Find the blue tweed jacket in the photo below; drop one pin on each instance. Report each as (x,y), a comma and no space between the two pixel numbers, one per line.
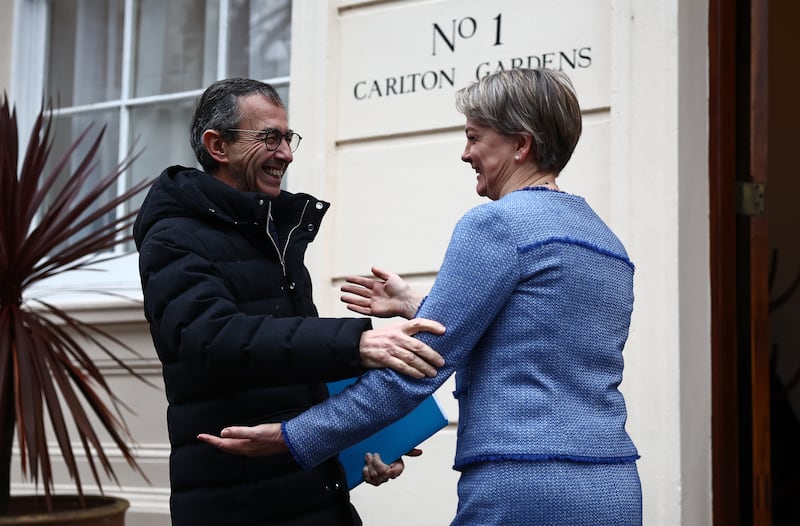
(536,293)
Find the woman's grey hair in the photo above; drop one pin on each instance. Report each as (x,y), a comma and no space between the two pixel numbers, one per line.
(218,109)
(538,102)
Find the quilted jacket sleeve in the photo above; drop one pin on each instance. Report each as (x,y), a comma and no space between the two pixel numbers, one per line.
(196,320)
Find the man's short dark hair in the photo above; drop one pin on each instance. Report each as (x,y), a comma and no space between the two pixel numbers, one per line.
(218,109)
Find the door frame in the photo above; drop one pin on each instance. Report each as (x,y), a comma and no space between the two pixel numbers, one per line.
(738,264)
(722,251)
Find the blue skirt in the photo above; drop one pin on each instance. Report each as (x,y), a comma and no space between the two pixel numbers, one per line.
(551,493)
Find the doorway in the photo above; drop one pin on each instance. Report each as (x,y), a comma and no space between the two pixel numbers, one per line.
(755,262)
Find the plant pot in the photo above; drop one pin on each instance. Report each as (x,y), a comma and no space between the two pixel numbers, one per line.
(67,511)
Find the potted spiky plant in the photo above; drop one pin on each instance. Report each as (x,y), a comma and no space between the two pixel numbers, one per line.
(47,375)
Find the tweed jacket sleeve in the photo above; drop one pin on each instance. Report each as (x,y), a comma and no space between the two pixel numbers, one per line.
(478,275)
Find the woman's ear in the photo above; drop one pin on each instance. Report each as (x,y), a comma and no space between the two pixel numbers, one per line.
(525,147)
(215,145)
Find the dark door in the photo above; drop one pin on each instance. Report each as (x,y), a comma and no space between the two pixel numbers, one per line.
(739,263)
(755,261)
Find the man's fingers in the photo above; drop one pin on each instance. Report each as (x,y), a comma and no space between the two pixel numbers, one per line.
(423,367)
(415,352)
(419,370)
(394,348)
(416,356)
(423,325)
(428,356)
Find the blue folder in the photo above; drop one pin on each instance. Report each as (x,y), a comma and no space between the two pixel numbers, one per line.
(393,441)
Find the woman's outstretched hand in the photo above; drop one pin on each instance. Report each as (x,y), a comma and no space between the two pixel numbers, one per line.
(250,441)
(384,295)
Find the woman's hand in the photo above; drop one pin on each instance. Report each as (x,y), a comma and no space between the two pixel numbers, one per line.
(383,296)
(376,472)
(254,441)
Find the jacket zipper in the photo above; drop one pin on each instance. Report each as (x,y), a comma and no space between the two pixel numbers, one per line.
(282,255)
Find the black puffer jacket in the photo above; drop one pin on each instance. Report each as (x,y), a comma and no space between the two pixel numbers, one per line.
(233,322)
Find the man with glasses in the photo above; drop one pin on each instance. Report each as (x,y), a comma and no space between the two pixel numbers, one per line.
(230,308)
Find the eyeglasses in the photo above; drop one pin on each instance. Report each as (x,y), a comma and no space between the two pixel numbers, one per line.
(273,137)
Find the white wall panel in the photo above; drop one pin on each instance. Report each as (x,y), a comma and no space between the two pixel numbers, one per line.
(401,62)
(397,201)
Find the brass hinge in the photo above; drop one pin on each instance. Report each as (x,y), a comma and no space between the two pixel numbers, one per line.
(750,198)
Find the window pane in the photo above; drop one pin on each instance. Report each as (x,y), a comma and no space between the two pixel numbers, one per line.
(283,91)
(85,51)
(67,130)
(259,38)
(176,46)
(162,134)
